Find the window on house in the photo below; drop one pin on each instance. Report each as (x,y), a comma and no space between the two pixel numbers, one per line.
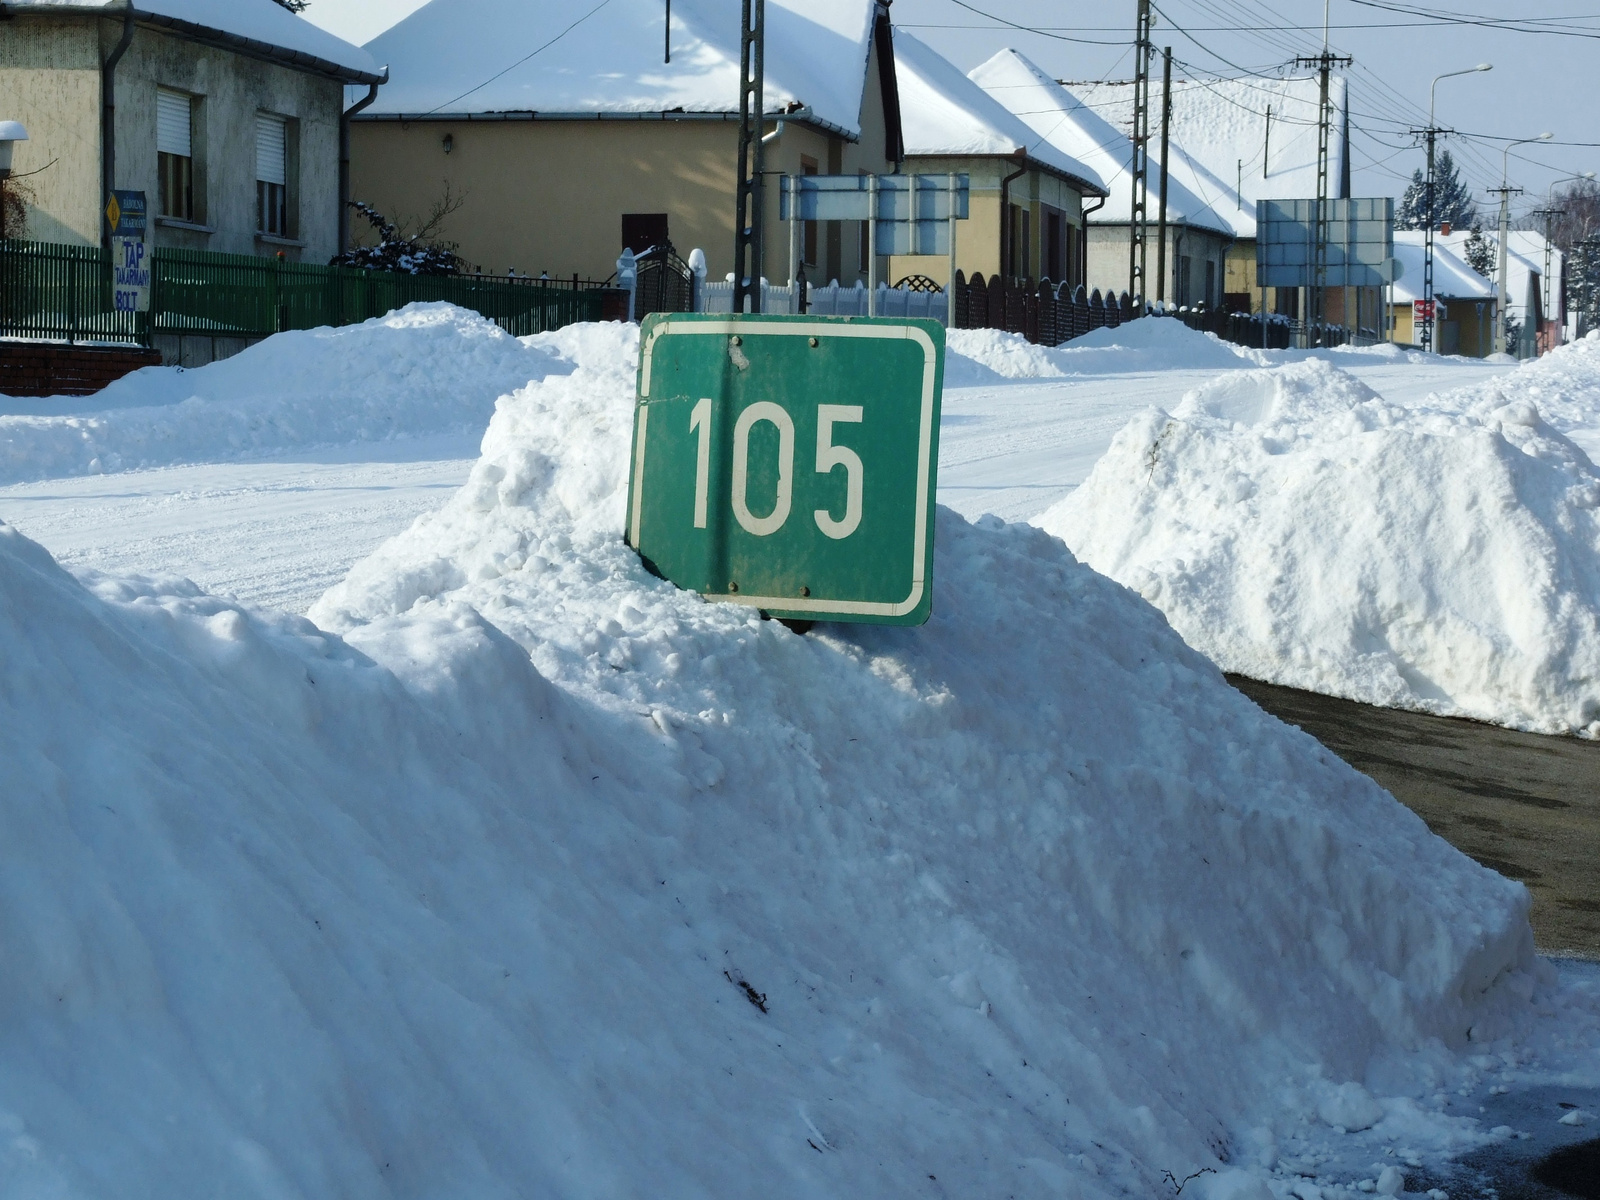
(1053,266)
(175,153)
(1211,284)
(1184,264)
(1018,265)
(272,174)
(811,243)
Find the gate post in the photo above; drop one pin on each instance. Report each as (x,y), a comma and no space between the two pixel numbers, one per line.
(628,280)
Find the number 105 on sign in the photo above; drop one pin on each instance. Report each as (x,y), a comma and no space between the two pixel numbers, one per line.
(788,463)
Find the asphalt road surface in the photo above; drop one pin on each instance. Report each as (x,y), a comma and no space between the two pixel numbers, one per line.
(1524,804)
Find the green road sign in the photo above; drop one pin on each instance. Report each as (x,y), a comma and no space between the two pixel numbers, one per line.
(788,463)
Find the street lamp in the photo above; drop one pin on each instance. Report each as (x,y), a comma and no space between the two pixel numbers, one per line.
(1431,133)
(1450,75)
(1505,234)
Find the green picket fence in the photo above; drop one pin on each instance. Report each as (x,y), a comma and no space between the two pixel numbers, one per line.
(48,290)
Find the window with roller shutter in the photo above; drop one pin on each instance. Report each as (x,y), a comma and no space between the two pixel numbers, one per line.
(272,174)
(175,153)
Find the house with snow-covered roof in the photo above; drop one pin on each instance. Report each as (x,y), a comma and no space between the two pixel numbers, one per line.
(225,113)
(1234,142)
(1197,236)
(1025,212)
(1464,301)
(567,140)
(1537,308)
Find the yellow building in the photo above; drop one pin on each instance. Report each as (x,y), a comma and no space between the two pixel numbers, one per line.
(561,158)
(226,115)
(1464,301)
(1025,214)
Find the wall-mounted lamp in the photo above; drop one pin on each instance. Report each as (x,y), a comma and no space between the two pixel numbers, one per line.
(11,132)
(449,142)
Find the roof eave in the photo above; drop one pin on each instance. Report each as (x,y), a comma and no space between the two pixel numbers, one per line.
(204,34)
(265,51)
(1087,187)
(826,128)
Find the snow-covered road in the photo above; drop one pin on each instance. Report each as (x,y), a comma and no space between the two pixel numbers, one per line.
(278,531)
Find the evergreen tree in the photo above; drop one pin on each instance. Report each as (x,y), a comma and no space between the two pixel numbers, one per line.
(1480,254)
(295,6)
(1583,278)
(1452,200)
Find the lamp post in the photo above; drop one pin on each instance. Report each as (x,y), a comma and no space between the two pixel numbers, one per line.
(1505,190)
(1431,133)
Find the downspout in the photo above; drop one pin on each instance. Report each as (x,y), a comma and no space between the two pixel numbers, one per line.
(1005,210)
(1083,259)
(344,159)
(108,116)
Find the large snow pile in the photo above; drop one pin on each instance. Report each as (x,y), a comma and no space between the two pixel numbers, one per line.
(550,879)
(1148,344)
(1296,527)
(427,368)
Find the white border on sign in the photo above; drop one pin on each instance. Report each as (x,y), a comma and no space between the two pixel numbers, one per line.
(930,366)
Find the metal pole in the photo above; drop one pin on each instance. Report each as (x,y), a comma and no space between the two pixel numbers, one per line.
(1427,249)
(794,241)
(1138,249)
(872,245)
(1501,290)
(747,260)
(1166,129)
(950,288)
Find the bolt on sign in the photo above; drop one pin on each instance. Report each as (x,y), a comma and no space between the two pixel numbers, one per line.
(789,463)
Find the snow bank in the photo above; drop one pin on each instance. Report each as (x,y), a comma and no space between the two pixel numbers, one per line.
(1148,344)
(1297,528)
(1028,892)
(427,368)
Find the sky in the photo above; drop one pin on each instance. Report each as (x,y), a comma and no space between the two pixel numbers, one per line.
(1540,82)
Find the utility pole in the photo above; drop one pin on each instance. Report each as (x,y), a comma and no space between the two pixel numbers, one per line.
(1549,215)
(1505,193)
(1324,62)
(747,220)
(1138,213)
(1430,134)
(1161,219)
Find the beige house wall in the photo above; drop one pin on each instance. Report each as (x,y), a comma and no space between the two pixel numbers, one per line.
(548,195)
(50,81)
(1108,260)
(978,237)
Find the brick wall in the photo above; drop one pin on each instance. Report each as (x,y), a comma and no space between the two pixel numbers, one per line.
(46,369)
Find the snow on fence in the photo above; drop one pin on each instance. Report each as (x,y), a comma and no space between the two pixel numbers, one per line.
(831,300)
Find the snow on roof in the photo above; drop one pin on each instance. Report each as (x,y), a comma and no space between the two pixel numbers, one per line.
(1221,127)
(480,56)
(1453,279)
(270,26)
(1524,264)
(942,112)
(1060,119)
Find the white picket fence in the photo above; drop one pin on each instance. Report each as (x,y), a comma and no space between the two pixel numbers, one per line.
(832,300)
